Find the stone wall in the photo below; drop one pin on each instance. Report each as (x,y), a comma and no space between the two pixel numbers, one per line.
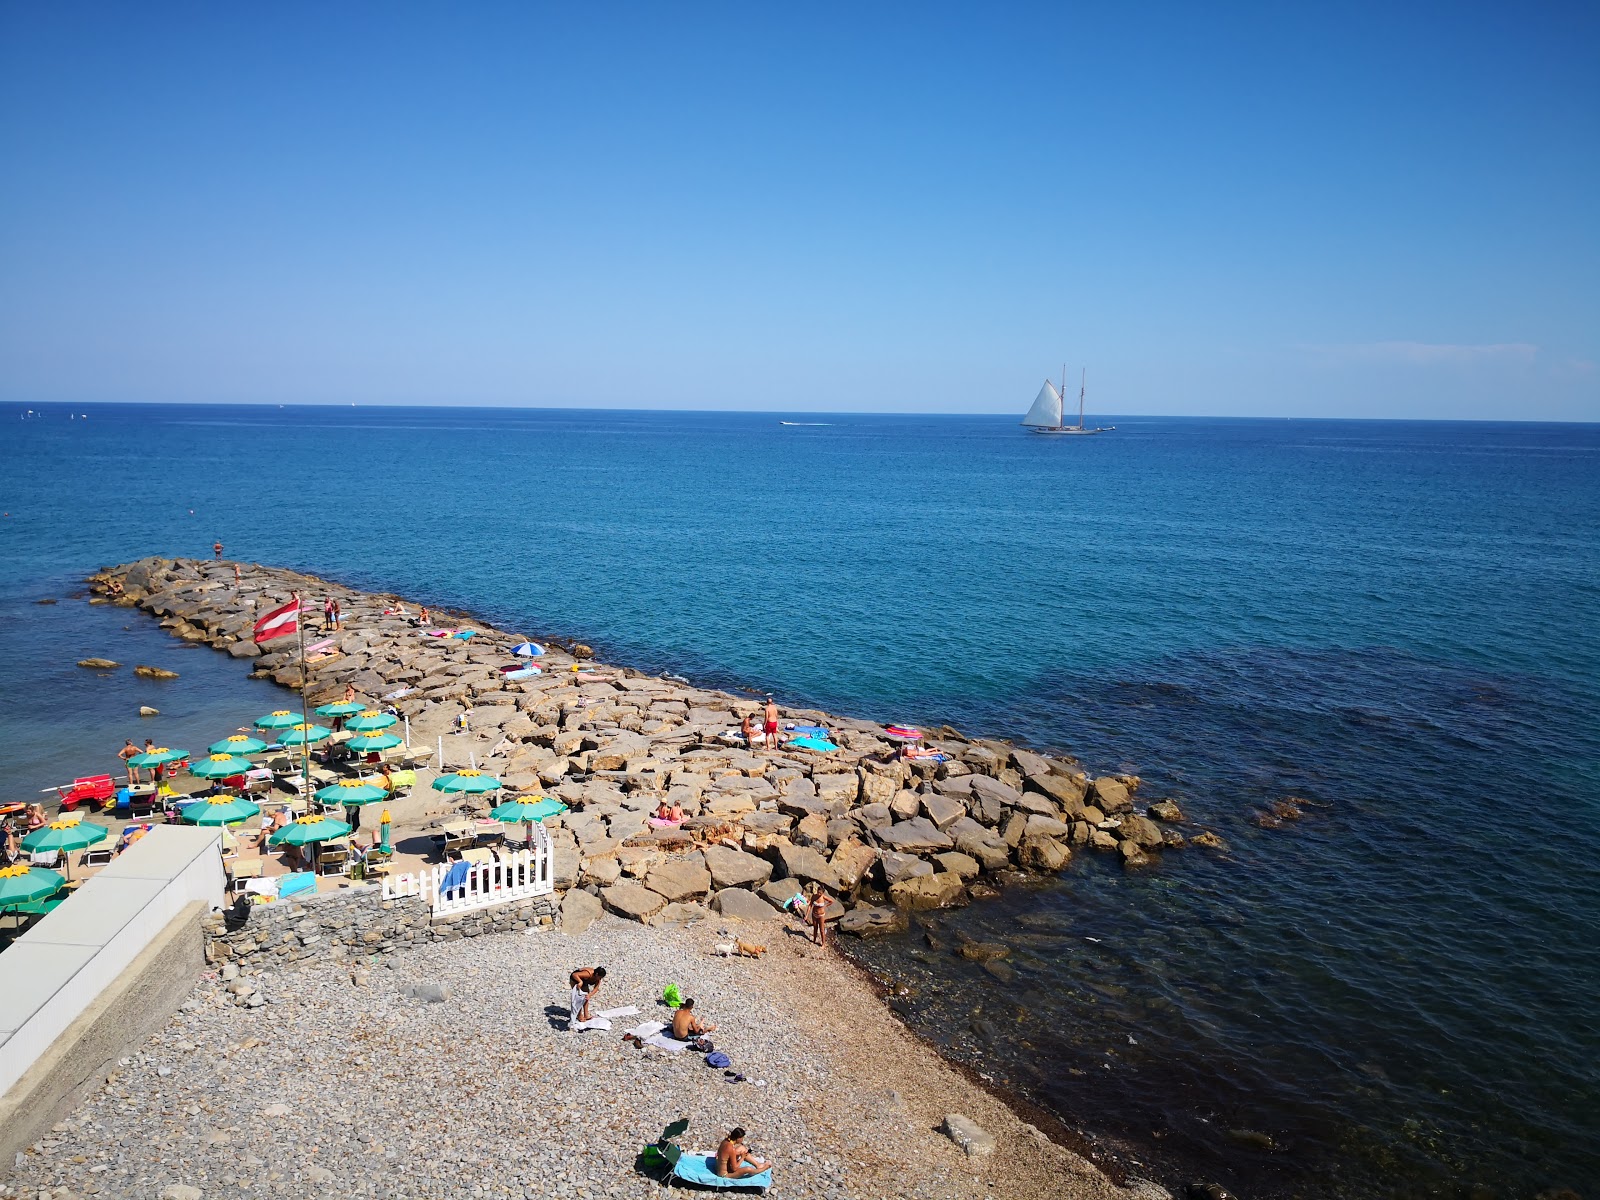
(351,925)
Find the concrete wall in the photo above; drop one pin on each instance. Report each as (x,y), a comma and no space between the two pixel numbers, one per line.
(67,965)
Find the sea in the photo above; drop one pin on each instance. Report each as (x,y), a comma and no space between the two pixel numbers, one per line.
(1396,624)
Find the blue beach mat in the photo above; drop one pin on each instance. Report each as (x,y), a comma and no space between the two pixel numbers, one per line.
(293,885)
(700,1168)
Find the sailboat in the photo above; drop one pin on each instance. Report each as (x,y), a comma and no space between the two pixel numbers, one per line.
(1046,414)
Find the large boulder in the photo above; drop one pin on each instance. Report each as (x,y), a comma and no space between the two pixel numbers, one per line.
(805,864)
(1037,826)
(1066,790)
(957,863)
(878,788)
(838,793)
(1029,764)
(779,892)
(916,836)
(942,811)
(991,852)
(579,910)
(851,861)
(679,879)
(1043,854)
(868,921)
(897,866)
(1161,810)
(632,900)
(1111,795)
(872,816)
(918,892)
(732,868)
(739,905)
(1142,831)
(993,790)
(811,831)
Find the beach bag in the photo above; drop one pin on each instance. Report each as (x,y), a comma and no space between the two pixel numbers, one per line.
(702,1045)
(672,996)
(718,1059)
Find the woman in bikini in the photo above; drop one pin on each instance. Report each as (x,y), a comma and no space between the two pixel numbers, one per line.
(817,910)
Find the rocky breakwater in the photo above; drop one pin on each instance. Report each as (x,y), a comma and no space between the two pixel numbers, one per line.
(885,835)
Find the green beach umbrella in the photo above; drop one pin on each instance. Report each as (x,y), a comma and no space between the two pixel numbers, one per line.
(237,744)
(351,791)
(370,721)
(158,757)
(525,809)
(310,735)
(65,835)
(22,883)
(368,742)
(341,708)
(470,780)
(220,810)
(220,766)
(305,830)
(278,719)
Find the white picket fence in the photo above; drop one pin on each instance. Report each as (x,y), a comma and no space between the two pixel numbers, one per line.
(515,875)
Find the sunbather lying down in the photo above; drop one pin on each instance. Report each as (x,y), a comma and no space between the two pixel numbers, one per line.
(734,1160)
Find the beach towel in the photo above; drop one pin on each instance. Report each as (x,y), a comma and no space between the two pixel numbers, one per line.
(293,885)
(611,1014)
(455,878)
(651,1034)
(662,823)
(700,1168)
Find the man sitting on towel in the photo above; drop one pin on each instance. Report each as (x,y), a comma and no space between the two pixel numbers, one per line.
(686,1025)
(734,1160)
(585,983)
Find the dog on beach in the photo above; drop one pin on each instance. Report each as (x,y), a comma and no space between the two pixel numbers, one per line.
(740,949)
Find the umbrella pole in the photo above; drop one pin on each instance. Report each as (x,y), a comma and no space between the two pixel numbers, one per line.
(305,746)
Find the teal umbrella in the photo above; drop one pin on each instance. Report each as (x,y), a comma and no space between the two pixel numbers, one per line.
(280,718)
(305,830)
(525,809)
(65,835)
(220,766)
(237,744)
(158,757)
(368,742)
(351,791)
(343,708)
(466,781)
(220,810)
(22,883)
(370,721)
(310,735)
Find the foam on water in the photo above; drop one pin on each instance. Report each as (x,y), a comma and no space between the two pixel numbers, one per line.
(1394,621)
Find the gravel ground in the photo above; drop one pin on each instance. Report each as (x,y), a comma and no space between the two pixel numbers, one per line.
(340,1089)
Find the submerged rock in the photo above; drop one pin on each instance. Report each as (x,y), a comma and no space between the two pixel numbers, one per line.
(154,673)
(99,664)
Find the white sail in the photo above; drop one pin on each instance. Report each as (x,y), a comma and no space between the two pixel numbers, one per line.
(1046,410)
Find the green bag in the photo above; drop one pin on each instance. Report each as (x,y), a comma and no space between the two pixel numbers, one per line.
(672,996)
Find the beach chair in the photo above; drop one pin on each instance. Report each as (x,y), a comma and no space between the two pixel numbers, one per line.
(142,807)
(332,859)
(241,872)
(98,857)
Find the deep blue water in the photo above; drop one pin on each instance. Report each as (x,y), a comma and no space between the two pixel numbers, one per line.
(1395,621)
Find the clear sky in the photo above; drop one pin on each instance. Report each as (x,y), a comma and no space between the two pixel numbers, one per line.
(1370,210)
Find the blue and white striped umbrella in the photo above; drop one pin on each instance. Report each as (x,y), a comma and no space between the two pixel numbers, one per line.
(528,650)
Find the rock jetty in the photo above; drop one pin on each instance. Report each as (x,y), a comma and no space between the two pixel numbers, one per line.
(884,834)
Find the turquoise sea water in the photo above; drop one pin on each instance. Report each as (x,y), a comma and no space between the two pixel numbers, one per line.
(1395,621)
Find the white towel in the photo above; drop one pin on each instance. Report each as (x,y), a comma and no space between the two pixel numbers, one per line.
(629,1011)
(650,1033)
(592,1023)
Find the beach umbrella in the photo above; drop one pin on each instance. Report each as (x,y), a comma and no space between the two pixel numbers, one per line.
(528,650)
(370,721)
(220,766)
(304,830)
(368,742)
(237,744)
(351,791)
(342,708)
(158,757)
(904,733)
(67,835)
(308,735)
(280,718)
(22,883)
(526,809)
(220,810)
(467,780)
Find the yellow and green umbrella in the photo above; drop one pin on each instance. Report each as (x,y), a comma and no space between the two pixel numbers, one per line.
(220,810)
(368,742)
(341,708)
(305,830)
(309,735)
(237,744)
(351,791)
(159,757)
(67,835)
(370,721)
(280,718)
(526,809)
(21,884)
(466,780)
(220,766)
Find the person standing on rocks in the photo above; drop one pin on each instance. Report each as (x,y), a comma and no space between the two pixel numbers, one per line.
(327,613)
(734,1160)
(585,983)
(771,726)
(817,912)
(338,615)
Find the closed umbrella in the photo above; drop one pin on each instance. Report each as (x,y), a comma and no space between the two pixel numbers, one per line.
(237,744)
(341,708)
(370,721)
(308,735)
(466,780)
(22,883)
(280,718)
(383,831)
(366,743)
(220,766)
(220,810)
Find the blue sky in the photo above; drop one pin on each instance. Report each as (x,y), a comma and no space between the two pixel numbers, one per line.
(1247,209)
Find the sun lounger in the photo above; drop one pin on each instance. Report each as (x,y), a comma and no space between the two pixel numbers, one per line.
(699,1167)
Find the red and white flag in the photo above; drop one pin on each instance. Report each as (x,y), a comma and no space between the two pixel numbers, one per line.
(280,622)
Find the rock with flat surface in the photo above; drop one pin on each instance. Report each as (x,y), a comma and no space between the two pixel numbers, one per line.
(99,664)
(992,789)
(851,861)
(957,863)
(679,879)
(897,866)
(739,905)
(920,892)
(942,811)
(804,863)
(991,852)
(870,921)
(1043,854)
(579,910)
(632,900)
(732,868)
(1141,830)
(1111,795)
(1164,810)
(916,836)
(969,1135)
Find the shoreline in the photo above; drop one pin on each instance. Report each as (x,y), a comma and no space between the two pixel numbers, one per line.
(1045,816)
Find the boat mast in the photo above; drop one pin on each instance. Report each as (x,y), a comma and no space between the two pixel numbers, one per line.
(1083,381)
(1063,392)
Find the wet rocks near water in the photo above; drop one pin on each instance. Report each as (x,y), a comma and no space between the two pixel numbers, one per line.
(966,1133)
(99,664)
(146,711)
(145,672)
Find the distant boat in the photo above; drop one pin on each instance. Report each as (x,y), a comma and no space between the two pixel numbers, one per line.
(1046,414)
(816,424)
